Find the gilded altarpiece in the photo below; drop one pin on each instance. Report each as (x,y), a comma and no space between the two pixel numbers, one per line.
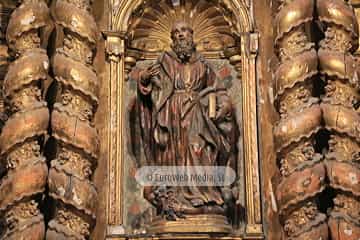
(70,72)
(137,32)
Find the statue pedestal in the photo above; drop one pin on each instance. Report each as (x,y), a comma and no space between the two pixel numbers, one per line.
(202,223)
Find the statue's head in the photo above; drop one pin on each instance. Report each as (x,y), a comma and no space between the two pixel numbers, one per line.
(183,41)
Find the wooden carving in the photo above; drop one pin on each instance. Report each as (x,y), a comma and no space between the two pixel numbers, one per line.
(5,12)
(213,25)
(339,112)
(140,30)
(187,120)
(340,109)
(20,141)
(302,170)
(182,117)
(71,123)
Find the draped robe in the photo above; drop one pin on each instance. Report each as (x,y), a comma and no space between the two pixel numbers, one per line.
(176,127)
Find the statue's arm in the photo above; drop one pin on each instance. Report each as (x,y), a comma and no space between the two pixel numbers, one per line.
(148,77)
(144,82)
(222,104)
(210,76)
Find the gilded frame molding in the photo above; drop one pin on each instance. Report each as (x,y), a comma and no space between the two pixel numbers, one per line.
(120,12)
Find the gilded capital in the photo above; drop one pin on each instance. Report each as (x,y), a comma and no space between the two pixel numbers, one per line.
(115,45)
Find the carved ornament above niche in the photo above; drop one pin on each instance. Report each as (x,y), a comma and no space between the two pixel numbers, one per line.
(150,25)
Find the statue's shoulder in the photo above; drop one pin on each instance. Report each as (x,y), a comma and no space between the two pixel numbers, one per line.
(165,56)
(203,60)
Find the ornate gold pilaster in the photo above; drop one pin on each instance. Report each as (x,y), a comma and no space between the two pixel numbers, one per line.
(302,172)
(115,50)
(249,51)
(69,181)
(340,108)
(244,62)
(22,136)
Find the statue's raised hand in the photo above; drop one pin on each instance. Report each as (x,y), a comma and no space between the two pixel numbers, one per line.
(148,73)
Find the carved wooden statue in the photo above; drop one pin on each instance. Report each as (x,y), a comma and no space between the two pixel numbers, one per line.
(186,120)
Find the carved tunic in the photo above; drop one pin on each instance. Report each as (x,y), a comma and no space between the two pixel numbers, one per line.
(177,129)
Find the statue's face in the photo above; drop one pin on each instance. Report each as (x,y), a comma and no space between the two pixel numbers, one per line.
(182,32)
(183,44)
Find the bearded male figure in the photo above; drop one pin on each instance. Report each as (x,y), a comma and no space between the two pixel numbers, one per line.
(178,129)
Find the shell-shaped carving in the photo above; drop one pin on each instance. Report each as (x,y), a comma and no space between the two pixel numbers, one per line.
(73,191)
(76,133)
(151,24)
(25,182)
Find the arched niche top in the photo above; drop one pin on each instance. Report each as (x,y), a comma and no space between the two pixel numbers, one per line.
(238,7)
(213,24)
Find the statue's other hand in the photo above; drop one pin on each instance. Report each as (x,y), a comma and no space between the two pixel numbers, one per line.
(224,111)
(145,77)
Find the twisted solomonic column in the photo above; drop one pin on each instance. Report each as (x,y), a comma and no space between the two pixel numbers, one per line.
(339,105)
(78,145)
(20,141)
(301,168)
